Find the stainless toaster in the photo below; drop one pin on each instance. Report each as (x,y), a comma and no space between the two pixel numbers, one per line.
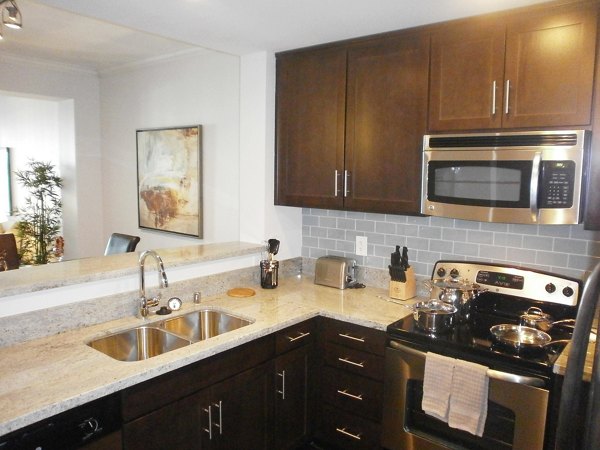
(335,271)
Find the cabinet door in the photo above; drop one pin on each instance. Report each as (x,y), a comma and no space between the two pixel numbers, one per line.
(467,68)
(239,412)
(292,398)
(549,68)
(311,90)
(175,426)
(385,122)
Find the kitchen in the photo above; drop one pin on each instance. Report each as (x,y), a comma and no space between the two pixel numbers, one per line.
(565,249)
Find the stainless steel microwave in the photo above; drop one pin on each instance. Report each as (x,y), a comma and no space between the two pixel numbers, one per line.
(534,177)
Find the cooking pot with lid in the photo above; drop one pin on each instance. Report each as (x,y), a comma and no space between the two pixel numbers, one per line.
(457,292)
(534,317)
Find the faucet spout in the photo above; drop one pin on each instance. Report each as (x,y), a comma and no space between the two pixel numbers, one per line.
(163,282)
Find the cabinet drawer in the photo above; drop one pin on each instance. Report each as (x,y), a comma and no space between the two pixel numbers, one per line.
(350,360)
(348,431)
(295,336)
(353,393)
(354,336)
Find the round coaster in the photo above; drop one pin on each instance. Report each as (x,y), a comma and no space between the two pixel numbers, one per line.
(241,292)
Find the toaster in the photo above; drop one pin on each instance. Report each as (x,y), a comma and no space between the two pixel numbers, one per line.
(335,271)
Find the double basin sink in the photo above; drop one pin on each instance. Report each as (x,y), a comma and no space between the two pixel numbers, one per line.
(146,341)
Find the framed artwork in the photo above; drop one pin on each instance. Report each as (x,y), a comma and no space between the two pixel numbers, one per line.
(169,174)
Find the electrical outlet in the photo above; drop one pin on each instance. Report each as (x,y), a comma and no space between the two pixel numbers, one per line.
(361,245)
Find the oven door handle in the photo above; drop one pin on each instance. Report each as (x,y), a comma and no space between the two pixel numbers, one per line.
(533,186)
(492,374)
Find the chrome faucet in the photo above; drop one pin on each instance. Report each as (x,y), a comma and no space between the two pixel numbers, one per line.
(145,303)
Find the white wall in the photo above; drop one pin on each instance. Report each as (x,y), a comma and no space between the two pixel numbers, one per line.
(259,218)
(29,126)
(200,87)
(77,93)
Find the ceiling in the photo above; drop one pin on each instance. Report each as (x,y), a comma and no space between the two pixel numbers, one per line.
(104,34)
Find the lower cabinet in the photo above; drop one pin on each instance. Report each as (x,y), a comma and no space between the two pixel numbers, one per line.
(231,414)
(256,396)
(320,379)
(294,396)
(350,385)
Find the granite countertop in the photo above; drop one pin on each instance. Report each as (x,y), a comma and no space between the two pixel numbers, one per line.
(560,366)
(37,278)
(43,377)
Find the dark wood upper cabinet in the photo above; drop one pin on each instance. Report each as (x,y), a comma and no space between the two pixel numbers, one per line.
(550,68)
(467,75)
(350,120)
(534,69)
(311,102)
(386,115)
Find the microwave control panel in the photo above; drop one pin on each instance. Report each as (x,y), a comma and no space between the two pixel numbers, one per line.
(557,181)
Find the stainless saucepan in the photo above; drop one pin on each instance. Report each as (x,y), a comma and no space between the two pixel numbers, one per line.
(434,316)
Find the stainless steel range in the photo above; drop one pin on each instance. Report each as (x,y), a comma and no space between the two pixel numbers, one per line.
(519,371)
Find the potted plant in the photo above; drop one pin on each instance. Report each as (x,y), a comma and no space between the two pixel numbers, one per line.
(40,218)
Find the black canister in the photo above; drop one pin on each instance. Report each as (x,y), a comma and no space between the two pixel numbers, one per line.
(269,274)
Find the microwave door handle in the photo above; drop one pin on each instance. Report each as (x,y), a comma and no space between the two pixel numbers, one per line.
(533,188)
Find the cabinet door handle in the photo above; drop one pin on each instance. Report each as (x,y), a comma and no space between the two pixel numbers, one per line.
(507,97)
(344,432)
(220,425)
(335,183)
(347,336)
(300,336)
(282,391)
(494,98)
(347,361)
(209,429)
(346,189)
(348,394)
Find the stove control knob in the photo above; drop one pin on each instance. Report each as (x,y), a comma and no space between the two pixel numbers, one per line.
(567,292)
(550,288)
(454,273)
(441,272)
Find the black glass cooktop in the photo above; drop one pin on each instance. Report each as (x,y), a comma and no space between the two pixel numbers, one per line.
(473,340)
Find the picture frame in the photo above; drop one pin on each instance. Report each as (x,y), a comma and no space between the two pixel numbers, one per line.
(169,179)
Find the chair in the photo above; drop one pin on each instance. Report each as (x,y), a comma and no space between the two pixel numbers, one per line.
(121,243)
(8,251)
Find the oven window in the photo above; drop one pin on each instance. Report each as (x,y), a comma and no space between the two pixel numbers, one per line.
(480,183)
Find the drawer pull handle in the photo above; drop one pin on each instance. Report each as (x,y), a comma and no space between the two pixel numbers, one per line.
(347,361)
(348,394)
(300,336)
(344,432)
(347,336)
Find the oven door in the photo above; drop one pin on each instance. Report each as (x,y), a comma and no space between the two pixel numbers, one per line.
(516,410)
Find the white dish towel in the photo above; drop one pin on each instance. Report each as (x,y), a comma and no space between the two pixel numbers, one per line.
(469,397)
(437,385)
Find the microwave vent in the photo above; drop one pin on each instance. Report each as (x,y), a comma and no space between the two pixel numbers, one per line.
(511,140)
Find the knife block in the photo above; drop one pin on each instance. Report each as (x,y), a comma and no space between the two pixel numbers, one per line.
(406,290)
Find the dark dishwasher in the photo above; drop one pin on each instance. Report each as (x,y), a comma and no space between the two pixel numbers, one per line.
(71,429)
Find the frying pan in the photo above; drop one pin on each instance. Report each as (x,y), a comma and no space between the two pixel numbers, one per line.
(520,337)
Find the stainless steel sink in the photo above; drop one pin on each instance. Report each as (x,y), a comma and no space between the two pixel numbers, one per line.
(138,343)
(203,324)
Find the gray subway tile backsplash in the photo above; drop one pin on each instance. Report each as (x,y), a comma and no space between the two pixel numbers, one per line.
(566,249)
